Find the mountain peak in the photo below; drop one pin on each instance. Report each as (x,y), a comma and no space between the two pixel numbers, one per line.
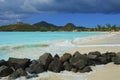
(44,24)
(70,25)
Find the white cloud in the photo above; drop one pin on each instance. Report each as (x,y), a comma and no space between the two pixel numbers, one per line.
(13,9)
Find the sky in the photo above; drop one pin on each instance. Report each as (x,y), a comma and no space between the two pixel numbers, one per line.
(60,12)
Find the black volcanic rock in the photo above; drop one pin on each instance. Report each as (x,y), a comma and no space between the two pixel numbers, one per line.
(116,59)
(45,59)
(3,62)
(35,67)
(5,71)
(18,73)
(94,55)
(56,56)
(18,63)
(109,56)
(67,66)
(16,67)
(78,60)
(65,57)
(86,69)
(56,65)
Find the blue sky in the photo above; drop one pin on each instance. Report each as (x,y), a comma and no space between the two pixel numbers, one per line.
(59,12)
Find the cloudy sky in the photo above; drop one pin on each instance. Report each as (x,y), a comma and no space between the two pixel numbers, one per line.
(60,12)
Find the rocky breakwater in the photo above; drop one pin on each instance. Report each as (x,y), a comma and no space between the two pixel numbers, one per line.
(15,67)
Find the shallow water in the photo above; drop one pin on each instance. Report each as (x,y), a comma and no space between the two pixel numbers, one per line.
(25,44)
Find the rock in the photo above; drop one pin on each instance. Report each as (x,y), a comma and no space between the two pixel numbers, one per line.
(109,56)
(94,55)
(80,56)
(74,70)
(18,73)
(45,59)
(56,56)
(35,67)
(55,65)
(65,57)
(67,66)
(79,61)
(31,76)
(19,63)
(93,58)
(76,53)
(86,69)
(80,64)
(106,57)
(3,62)
(5,71)
(103,60)
(116,59)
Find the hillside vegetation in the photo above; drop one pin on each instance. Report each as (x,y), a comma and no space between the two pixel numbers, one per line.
(44,26)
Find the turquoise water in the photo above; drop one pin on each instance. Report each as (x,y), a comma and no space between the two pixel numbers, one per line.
(8,39)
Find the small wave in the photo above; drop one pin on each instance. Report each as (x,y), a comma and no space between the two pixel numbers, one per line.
(31,46)
(23,46)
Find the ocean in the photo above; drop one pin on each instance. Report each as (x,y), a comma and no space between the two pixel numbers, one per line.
(33,44)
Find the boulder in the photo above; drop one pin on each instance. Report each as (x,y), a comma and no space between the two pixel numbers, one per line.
(3,62)
(18,73)
(56,65)
(5,71)
(79,56)
(106,57)
(74,70)
(109,56)
(103,60)
(116,59)
(67,66)
(56,56)
(45,59)
(80,64)
(31,76)
(17,63)
(93,58)
(93,55)
(65,57)
(35,67)
(86,69)
(79,61)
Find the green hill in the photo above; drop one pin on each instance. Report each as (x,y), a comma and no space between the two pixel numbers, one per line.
(18,27)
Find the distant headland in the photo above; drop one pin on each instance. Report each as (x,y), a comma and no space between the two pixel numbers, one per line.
(45,26)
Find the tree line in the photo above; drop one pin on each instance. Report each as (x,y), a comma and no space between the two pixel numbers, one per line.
(44,26)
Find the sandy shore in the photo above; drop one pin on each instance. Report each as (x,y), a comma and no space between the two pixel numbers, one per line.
(108,42)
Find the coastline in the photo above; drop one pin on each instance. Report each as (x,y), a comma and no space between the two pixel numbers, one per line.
(109,71)
(106,42)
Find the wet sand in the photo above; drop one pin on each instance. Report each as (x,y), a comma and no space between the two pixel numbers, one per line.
(111,43)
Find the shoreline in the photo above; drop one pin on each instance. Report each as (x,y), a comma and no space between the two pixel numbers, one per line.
(94,66)
(100,72)
(109,71)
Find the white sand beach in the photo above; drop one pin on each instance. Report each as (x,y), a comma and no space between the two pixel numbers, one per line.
(108,41)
